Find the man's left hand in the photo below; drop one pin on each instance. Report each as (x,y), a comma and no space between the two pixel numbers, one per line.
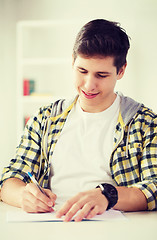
(84,205)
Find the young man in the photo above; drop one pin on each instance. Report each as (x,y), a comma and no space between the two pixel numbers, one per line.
(96,152)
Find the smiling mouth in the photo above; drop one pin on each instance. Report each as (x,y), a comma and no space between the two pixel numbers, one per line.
(89,95)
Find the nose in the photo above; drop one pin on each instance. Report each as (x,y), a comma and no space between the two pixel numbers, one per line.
(89,83)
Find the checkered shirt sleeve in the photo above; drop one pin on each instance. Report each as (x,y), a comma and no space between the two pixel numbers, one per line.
(134,162)
(28,152)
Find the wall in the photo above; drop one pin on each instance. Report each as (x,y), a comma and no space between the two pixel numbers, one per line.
(138,17)
(7,81)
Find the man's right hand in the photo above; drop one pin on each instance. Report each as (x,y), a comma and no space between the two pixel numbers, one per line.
(33,200)
(16,193)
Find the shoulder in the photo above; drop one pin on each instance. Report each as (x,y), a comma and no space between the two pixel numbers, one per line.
(133,110)
(52,110)
(147,112)
(56,108)
(146,116)
(47,111)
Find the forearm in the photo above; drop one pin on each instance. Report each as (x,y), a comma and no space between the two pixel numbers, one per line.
(11,192)
(130,199)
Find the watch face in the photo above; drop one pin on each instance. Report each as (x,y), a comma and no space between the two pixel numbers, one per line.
(110,192)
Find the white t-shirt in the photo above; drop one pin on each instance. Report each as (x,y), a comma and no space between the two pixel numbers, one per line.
(81,156)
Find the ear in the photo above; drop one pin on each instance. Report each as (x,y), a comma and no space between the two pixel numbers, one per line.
(121,71)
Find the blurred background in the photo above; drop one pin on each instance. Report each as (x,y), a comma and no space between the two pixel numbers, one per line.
(36,38)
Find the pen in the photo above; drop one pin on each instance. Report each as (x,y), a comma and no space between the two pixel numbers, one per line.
(36,183)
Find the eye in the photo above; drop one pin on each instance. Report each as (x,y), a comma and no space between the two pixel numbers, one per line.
(82,70)
(102,75)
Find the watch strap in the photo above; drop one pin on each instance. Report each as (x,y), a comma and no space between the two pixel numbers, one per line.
(110,192)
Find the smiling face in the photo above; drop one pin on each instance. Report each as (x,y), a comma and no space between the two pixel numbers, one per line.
(95,79)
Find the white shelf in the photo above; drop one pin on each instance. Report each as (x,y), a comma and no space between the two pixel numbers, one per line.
(30,99)
(40,99)
(47,23)
(44,50)
(45,61)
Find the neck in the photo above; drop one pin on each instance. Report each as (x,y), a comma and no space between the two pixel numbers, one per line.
(95,108)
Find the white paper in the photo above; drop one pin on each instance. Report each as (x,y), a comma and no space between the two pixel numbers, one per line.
(21,216)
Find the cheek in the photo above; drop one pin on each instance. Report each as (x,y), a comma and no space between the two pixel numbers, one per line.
(77,80)
(108,85)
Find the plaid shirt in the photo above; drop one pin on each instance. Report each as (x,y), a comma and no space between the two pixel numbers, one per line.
(133,161)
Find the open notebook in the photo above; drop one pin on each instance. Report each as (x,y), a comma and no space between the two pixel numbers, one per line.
(18,215)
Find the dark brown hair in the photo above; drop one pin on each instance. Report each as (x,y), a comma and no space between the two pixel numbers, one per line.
(102,38)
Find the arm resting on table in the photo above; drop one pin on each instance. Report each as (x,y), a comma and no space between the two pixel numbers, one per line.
(130,199)
(11,191)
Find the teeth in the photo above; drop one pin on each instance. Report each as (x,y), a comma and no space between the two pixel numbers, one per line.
(89,94)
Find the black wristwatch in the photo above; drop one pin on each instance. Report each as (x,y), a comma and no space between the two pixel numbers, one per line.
(110,192)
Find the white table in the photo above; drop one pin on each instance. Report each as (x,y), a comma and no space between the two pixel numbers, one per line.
(137,226)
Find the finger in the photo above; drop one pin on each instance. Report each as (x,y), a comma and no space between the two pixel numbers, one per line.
(35,209)
(37,198)
(32,188)
(73,210)
(65,208)
(51,195)
(80,199)
(92,213)
(84,212)
(28,208)
(32,204)
(61,212)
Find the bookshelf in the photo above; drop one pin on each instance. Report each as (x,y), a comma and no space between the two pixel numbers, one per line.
(44,50)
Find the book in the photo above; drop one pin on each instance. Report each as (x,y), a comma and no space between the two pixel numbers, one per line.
(28,87)
(25,87)
(31,86)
